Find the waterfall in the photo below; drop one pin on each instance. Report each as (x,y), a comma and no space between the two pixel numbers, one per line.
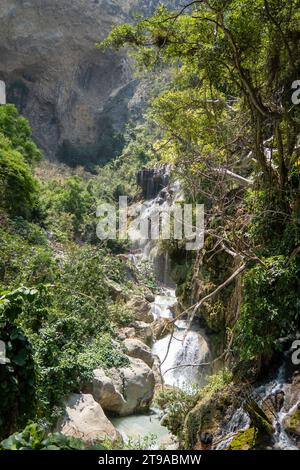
(177,352)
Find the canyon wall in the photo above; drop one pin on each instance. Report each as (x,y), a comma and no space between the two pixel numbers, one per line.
(76,97)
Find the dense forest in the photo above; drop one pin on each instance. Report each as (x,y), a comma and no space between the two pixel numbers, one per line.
(78,315)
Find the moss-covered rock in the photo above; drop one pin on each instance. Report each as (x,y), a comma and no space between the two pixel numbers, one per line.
(211,414)
(259,419)
(244,440)
(292,425)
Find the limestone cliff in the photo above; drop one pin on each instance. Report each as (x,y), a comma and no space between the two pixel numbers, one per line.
(75,96)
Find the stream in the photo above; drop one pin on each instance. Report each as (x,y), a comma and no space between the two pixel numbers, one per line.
(182,349)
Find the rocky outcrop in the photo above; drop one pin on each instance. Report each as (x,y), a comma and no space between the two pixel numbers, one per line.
(75,96)
(139,350)
(211,415)
(273,404)
(292,425)
(152,181)
(125,391)
(139,330)
(84,419)
(143,331)
(141,309)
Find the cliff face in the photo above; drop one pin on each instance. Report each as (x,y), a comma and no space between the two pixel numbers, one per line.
(72,93)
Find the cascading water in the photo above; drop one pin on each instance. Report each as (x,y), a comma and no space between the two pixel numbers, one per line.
(178,351)
(181,349)
(241,421)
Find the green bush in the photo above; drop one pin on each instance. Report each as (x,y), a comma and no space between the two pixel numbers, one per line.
(270,307)
(18,188)
(17,130)
(34,437)
(18,376)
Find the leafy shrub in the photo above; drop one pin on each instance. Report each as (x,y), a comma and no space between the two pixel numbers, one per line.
(270,307)
(17,130)
(34,437)
(18,188)
(18,376)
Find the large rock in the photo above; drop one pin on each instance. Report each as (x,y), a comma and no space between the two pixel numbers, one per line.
(85,419)
(141,309)
(292,425)
(136,348)
(126,332)
(143,331)
(125,391)
(273,404)
(292,392)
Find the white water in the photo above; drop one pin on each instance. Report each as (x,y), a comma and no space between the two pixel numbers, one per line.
(179,350)
(176,352)
(241,421)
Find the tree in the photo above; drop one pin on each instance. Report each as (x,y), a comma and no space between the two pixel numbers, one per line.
(18,188)
(230,129)
(242,51)
(18,131)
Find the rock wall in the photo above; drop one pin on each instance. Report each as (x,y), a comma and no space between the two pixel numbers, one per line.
(72,93)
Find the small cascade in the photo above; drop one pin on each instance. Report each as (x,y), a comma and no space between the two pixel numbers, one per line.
(241,421)
(163,303)
(178,352)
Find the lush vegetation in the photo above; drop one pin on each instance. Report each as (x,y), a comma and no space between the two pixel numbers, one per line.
(34,437)
(231,131)
(60,307)
(226,124)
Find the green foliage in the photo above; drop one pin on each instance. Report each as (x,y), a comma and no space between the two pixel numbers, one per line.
(270,307)
(23,261)
(145,443)
(18,191)
(17,130)
(177,404)
(18,376)
(66,205)
(69,328)
(33,437)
